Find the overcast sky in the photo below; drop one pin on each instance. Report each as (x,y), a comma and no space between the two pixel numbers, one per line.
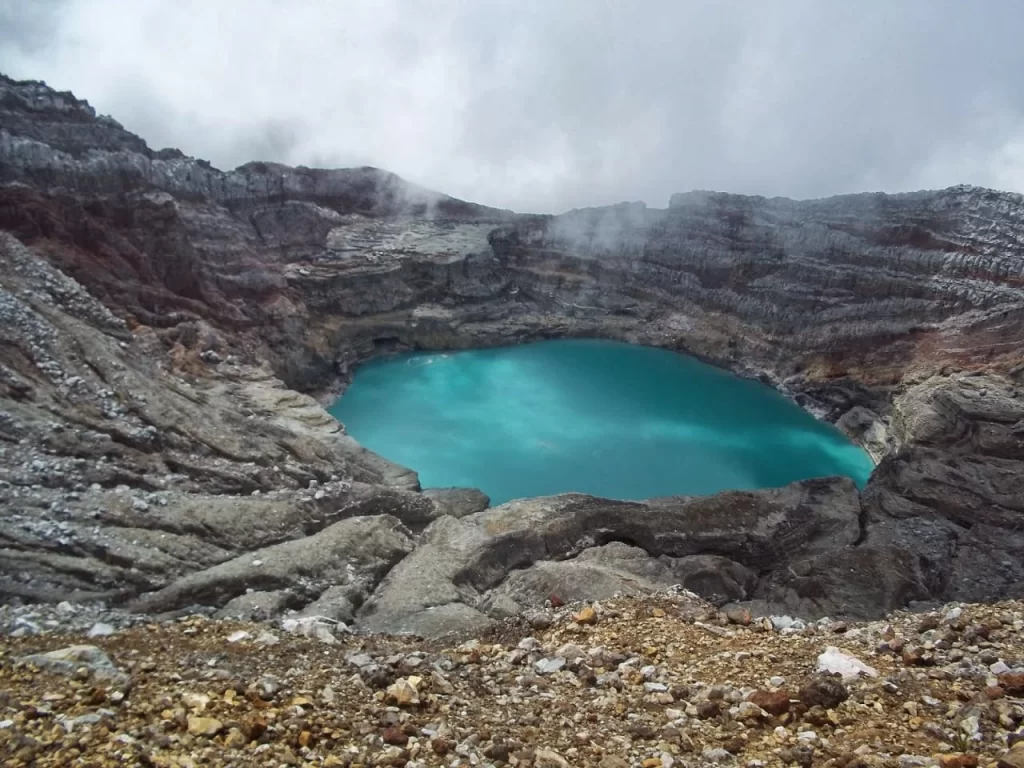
(546,105)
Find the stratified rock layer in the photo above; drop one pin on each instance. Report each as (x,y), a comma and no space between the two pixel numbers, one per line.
(166,326)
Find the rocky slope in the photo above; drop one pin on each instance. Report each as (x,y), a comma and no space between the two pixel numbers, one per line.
(167,327)
(659,682)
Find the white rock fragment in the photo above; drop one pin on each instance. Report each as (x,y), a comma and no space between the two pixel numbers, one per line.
(99,629)
(549,666)
(267,638)
(317,627)
(834,662)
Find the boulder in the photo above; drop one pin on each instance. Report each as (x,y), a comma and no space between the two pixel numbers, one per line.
(357,551)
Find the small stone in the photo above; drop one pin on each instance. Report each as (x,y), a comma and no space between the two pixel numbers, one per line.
(239,636)
(204,726)
(823,691)
(267,638)
(549,666)
(99,629)
(403,692)
(1012,683)
(548,758)
(197,702)
(498,751)
(586,616)
(540,621)
(612,761)
(235,739)
(716,755)
(395,735)
(916,656)
(739,616)
(749,712)
(1014,758)
(709,709)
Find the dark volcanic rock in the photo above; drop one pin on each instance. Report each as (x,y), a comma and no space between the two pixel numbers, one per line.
(162,324)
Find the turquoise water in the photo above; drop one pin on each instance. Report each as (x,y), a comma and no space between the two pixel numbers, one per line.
(600,417)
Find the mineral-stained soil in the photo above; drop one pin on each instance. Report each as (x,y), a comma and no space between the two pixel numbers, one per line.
(658,681)
(169,332)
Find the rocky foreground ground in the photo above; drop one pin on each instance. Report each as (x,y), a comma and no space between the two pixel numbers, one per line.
(656,682)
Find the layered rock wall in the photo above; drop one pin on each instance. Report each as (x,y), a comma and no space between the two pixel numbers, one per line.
(162,317)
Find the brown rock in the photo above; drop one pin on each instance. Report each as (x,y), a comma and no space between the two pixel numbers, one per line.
(773,702)
(1012,683)
(915,656)
(395,735)
(613,761)
(957,760)
(735,745)
(440,746)
(1014,758)
(709,709)
(498,751)
(738,616)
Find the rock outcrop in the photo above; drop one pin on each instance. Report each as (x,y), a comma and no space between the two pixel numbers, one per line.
(166,330)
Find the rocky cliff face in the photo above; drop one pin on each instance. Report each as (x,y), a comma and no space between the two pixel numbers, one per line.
(164,324)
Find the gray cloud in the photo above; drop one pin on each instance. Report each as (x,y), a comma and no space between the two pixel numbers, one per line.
(544,106)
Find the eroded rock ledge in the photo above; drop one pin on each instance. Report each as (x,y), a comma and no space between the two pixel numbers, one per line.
(166,327)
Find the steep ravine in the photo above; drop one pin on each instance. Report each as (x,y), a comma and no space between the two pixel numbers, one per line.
(162,319)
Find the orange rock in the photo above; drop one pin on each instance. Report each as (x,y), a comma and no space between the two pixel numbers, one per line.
(587,616)
(957,760)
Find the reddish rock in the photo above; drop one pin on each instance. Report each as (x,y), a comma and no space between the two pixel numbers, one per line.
(773,702)
(1012,683)
(395,735)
